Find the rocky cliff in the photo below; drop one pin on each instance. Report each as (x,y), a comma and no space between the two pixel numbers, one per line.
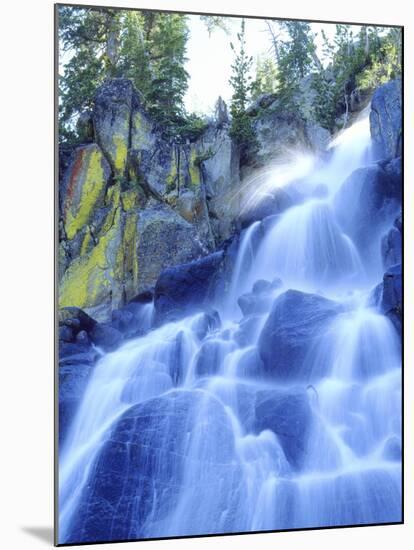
(132,203)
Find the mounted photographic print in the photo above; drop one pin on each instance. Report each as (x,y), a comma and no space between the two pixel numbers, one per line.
(229,281)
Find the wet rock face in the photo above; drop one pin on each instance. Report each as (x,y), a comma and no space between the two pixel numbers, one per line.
(392,297)
(386,120)
(378,189)
(140,460)
(296,322)
(185,288)
(391,245)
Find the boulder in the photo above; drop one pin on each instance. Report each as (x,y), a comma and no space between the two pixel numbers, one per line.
(391,244)
(368,201)
(164,239)
(106,337)
(114,102)
(386,120)
(76,362)
(186,288)
(75,318)
(144,458)
(392,298)
(256,207)
(296,322)
(289,416)
(82,190)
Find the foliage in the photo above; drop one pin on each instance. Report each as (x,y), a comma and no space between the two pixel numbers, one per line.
(215,22)
(384,63)
(296,58)
(357,63)
(191,127)
(266,77)
(147,47)
(241,81)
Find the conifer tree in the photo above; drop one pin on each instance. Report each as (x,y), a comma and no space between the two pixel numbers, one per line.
(241,81)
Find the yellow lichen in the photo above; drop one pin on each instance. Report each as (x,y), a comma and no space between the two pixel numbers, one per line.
(129,199)
(120,153)
(77,215)
(130,248)
(89,278)
(193,169)
(86,243)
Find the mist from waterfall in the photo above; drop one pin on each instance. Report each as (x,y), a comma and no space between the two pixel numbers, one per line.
(227,451)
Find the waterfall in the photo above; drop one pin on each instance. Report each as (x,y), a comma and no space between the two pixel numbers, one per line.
(185,431)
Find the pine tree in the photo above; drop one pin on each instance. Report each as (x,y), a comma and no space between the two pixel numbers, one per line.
(147,47)
(266,80)
(241,125)
(296,58)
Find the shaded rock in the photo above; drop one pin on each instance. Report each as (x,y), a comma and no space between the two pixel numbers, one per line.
(106,337)
(391,244)
(164,239)
(76,361)
(392,297)
(392,449)
(144,457)
(374,192)
(207,323)
(386,120)
(296,322)
(77,319)
(143,298)
(122,319)
(186,288)
(289,416)
(263,206)
(66,334)
(82,337)
(253,303)
(247,331)
(259,300)
(210,356)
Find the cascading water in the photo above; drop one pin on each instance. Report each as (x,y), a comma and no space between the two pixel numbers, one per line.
(214,442)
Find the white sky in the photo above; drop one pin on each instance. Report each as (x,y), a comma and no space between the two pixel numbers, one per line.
(210,57)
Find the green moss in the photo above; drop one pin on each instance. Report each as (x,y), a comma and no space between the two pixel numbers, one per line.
(77,215)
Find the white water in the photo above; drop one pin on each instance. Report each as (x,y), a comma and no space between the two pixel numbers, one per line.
(234,476)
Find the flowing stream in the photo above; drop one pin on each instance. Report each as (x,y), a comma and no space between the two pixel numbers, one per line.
(232,449)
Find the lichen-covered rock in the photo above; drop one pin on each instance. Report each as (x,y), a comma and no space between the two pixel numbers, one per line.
(83,188)
(106,271)
(114,102)
(164,239)
(386,120)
